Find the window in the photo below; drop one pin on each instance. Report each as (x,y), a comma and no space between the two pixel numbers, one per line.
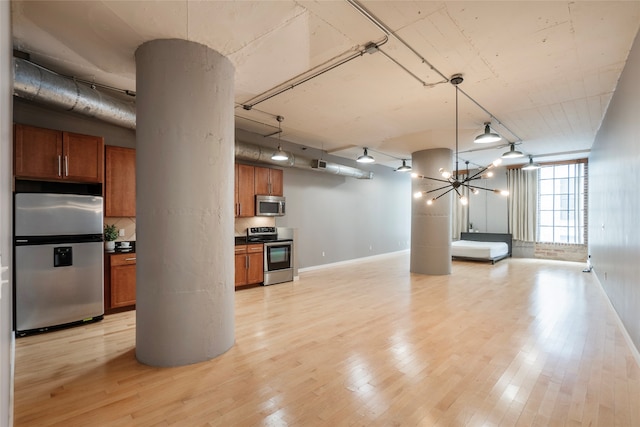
(561,203)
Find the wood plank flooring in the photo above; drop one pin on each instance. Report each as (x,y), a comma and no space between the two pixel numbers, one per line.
(520,343)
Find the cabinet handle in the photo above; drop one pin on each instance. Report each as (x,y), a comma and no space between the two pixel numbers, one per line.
(247,262)
(130,259)
(59,165)
(66,165)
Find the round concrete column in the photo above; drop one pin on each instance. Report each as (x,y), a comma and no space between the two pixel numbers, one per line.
(184,197)
(430,224)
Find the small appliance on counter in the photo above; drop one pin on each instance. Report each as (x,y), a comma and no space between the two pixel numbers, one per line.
(278,254)
(125,247)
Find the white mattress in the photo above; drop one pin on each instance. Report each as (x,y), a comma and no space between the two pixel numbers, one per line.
(484,250)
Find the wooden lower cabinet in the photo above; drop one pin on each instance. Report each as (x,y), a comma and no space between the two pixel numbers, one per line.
(120,281)
(249,264)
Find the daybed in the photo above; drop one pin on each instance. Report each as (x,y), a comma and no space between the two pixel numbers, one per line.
(482,246)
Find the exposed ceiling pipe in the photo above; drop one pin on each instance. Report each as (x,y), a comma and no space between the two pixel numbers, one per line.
(255,153)
(41,85)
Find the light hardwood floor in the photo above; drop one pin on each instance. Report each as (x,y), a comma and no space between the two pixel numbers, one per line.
(519,343)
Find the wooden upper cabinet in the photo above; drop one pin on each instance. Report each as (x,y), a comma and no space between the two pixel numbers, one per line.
(84,157)
(245,202)
(120,182)
(268,181)
(47,154)
(37,152)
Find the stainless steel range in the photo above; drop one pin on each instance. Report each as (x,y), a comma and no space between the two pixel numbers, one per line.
(278,254)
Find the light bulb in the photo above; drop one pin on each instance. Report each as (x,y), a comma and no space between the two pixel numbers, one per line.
(430,202)
(464,200)
(497,162)
(414,175)
(489,174)
(504,193)
(445,174)
(475,191)
(417,195)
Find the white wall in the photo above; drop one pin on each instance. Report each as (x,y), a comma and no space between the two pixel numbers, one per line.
(6,138)
(614,201)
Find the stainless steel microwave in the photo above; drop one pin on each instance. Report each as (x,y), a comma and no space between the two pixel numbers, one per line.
(270,206)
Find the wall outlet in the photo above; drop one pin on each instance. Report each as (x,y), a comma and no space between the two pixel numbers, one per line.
(121,232)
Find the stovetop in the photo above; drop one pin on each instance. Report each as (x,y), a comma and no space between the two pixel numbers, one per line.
(262,234)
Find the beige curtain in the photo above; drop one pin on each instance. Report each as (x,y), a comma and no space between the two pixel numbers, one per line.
(523,203)
(459,212)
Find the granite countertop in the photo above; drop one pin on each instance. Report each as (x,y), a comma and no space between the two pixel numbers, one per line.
(241,240)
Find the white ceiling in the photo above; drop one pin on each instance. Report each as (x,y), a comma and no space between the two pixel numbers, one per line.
(545,70)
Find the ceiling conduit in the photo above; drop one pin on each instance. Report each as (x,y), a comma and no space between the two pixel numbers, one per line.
(38,84)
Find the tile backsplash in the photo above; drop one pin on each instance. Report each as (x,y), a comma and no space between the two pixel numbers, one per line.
(126,223)
(240,229)
(242,224)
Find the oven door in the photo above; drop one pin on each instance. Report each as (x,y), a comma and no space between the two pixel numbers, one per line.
(278,262)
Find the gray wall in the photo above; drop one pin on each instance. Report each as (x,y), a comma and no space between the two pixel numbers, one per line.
(614,200)
(6,150)
(347,218)
(487,210)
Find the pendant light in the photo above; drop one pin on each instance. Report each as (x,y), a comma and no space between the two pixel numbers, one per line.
(512,153)
(280,155)
(453,182)
(404,167)
(530,166)
(365,158)
(488,136)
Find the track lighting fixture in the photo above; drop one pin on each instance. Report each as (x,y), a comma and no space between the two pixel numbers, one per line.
(365,158)
(512,153)
(404,167)
(488,136)
(280,155)
(530,166)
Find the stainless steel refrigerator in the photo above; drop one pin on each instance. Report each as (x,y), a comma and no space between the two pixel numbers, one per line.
(59,260)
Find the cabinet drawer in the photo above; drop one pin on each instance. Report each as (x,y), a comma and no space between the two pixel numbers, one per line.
(123,259)
(241,249)
(254,248)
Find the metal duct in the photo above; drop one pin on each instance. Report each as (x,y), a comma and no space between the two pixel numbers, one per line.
(256,153)
(38,84)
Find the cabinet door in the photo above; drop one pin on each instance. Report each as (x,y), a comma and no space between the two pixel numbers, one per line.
(276,181)
(122,280)
(255,274)
(83,157)
(268,181)
(245,205)
(123,285)
(241,269)
(37,153)
(120,182)
(261,181)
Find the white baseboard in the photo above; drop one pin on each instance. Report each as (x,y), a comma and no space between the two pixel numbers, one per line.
(351,261)
(625,333)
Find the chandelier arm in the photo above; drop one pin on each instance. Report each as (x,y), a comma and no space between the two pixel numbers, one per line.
(435,179)
(446,192)
(437,189)
(478,173)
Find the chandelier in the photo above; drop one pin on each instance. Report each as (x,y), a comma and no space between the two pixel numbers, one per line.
(453,181)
